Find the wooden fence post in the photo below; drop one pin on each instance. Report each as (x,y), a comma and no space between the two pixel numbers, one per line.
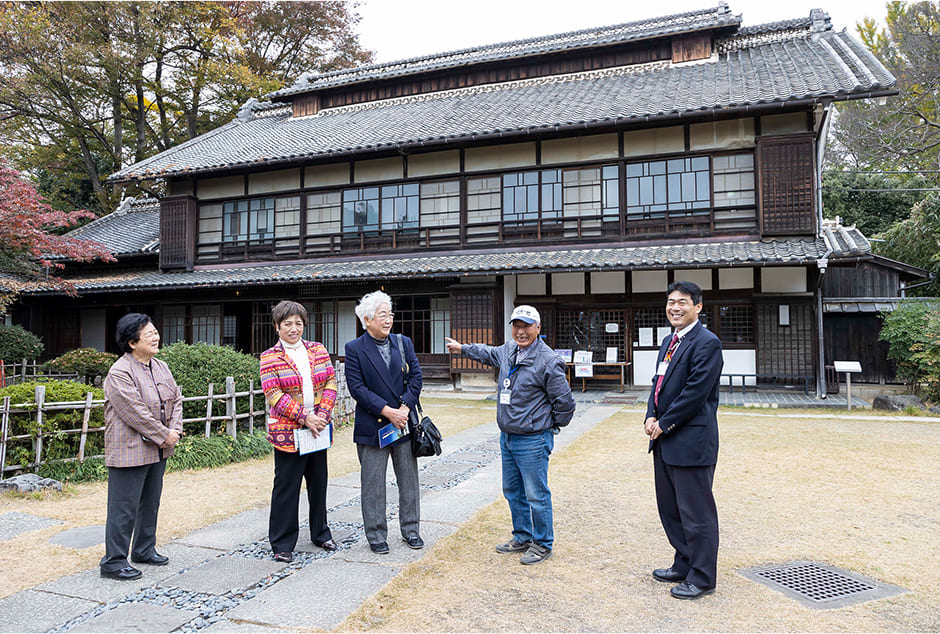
(40,402)
(231,423)
(251,406)
(4,432)
(86,414)
(209,412)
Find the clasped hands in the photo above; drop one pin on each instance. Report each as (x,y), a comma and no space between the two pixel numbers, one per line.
(398,417)
(652,428)
(171,439)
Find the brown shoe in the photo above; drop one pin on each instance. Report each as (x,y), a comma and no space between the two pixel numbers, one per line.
(285,557)
(329,545)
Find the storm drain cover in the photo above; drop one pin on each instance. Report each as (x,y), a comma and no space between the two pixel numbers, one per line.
(820,585)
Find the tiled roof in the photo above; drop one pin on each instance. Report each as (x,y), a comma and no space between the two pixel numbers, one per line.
(717,17)
(132,229)
(512,261)
(777,63)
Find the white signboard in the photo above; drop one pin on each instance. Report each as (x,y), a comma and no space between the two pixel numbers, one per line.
(583,356)
(847,366)
(584,370)
(662,332)
(646,337)
(612,327)
(612,355)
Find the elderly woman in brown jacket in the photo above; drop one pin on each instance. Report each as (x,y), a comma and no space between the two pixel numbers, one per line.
(143,418)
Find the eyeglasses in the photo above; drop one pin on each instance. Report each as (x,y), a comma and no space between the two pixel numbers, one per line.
(385,316)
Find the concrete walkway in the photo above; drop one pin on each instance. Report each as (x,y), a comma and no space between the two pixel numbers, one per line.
(222,578)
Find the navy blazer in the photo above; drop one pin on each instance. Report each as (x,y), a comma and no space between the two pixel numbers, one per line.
(688,400)
(375,385)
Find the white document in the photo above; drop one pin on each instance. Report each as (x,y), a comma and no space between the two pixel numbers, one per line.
(646,337)
(583,370)
(612,355)
(662,332)
(614,327)
(306,442)
(583,356)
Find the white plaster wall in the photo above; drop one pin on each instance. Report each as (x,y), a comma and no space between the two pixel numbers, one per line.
(655,141)
(434,163)
(500,157)
(530,284)
(220,187)
(783,279)
(701,277)
(587,148)
(739,361)
(278,181)
(606,282)
(649,281)
(783,123)
(325,175)
(644,366)
(722,134)
(509,302)
(735,278)
(567,283)
(379,170)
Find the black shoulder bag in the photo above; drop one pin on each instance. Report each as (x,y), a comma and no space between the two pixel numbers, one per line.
(425,437)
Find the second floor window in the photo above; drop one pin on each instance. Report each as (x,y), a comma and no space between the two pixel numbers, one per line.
(672,187)
(386,207)
(260,220)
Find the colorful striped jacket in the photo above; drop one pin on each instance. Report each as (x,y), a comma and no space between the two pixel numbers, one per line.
(284,391)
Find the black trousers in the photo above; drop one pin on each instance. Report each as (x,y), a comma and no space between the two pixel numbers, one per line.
(133,505)
(283,525)
(690,518)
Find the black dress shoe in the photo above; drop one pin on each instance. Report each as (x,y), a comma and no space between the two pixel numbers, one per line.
(285,557)
(329,545)
(668,574)
(156,559)
(414,542)
(380,548)
(686,590)
(124,574)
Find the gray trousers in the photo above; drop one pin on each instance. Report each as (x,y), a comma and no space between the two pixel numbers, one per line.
(374,465)
(133,504)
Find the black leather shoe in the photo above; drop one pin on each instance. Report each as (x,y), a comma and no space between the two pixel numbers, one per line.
(380,548)
(285,557)
(329,545)
(415,542)
(156,559)
(124,574)
(686,590)
(668,574)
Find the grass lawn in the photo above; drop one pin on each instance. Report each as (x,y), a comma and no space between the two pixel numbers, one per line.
(858,494)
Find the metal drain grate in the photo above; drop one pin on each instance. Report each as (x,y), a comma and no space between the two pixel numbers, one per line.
(819,585)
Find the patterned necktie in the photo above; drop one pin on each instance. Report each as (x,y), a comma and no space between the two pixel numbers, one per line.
(659,380)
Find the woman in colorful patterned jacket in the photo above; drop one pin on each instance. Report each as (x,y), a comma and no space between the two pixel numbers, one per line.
(299,386)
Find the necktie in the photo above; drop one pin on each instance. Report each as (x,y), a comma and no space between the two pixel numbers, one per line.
(659,380)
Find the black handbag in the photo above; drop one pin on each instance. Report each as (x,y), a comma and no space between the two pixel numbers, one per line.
(425,436)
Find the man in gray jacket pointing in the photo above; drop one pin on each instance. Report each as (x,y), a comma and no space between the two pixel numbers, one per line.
(534,403)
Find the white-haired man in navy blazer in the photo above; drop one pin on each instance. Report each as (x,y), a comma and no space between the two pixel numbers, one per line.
(682,423)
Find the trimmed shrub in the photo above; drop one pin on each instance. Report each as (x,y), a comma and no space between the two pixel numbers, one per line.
(195,366)
(85,362)
(17,343)
(192,452)
(55,444)
(912,331)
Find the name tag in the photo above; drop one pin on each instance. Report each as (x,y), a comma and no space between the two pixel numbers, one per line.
(661,370)
(505,397)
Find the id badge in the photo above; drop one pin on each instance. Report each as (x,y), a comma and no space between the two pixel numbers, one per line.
(505,397)
(661,370)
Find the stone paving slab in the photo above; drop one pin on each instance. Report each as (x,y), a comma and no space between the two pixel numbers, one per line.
(448,468)
(90,585)
(305,545)
(14,523)
(224,625)
(247,526)
(82,537)
(223,574)
(293,603)
(399,552)
(468,456)
(483,488)
(351,514)
(37,611)
(137,617)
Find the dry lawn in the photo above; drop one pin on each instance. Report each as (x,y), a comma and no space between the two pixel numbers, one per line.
(191,500)
(861,495)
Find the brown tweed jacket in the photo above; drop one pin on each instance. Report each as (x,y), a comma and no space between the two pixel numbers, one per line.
(135,424)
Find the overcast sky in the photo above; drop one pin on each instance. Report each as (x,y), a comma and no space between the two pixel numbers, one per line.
(401,29)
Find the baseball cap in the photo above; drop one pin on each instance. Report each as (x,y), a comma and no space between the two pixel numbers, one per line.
(525,313)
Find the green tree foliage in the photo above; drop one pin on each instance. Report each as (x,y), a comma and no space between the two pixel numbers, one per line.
(195,366)
(913,335)
(858,199)
(56,444)
(17,343)
(91,86)
(85,362)
(916,241)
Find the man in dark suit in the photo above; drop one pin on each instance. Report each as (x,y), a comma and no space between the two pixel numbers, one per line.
(682,424)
